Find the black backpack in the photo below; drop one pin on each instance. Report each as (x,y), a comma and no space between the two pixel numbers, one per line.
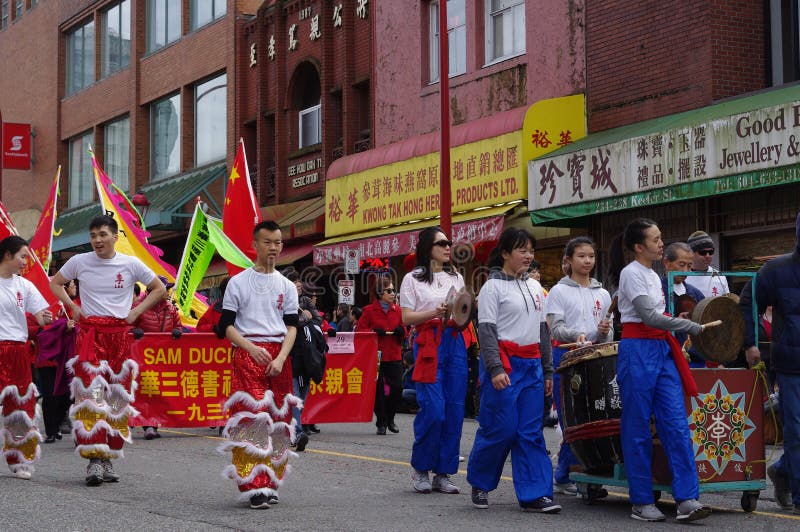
(308,353)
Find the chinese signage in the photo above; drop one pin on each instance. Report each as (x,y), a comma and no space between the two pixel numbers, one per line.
(482,173)
(347,391)
(640,169)
(184,382)
(304,173)
(16,146)
(483,230)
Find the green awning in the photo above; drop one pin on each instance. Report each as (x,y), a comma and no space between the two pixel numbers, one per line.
(167,198)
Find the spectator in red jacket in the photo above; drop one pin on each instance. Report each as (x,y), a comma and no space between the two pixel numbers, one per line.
(384,316)
(161,317)
(208,321)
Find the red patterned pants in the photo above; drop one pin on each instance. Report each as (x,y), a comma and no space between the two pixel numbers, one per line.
(18,396)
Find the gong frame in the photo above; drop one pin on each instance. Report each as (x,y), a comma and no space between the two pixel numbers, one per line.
(751,275)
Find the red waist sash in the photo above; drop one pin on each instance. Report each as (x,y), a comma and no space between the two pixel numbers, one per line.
(640,330)
(429,335)
(511,349)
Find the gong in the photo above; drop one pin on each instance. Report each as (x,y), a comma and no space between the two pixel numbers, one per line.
(460,306)
(723,343)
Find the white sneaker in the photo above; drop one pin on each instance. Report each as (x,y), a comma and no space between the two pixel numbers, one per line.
(23,473)
(692,510)
(565,488)
(646,512)
(421,481)
(441,483)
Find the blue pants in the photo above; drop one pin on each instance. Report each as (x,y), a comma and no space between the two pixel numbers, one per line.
(511,420)
(649,385)
(566,458)
(789,464)
(300,392)
(437,426)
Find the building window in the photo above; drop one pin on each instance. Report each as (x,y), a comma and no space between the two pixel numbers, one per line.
(165,135)
(116,46)
(118,152)
(456,38)
(19,7)
(3,14)
(505,29)
(211,120)
(205,11)
(80,58)
(784,45)
(81,175)
(32,3)
(163,23)
(311,126)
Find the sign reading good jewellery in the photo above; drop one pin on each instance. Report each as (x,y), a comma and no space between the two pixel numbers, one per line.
(735,152)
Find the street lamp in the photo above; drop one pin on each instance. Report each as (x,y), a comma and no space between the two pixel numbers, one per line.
(141,203)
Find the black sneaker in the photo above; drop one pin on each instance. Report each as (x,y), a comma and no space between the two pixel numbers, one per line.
(392,428)
(302,441)
(272,499)
(259,502)
(311,428)
(381,431)
(480,499)
(542,505)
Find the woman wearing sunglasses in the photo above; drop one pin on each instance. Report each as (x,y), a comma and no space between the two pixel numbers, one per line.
(440,370)
(383,316)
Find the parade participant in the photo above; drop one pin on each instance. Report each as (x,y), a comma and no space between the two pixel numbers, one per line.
(307,314)
(576,309)
(382,316)
(104,376)
(702,254)
(259,317)
(678,258)
(161,317)
(650,370)
(517,373)
(440,371)
(20,432)
(778,285)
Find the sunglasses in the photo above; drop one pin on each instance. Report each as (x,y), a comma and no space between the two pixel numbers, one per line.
(706,252)
(388,291)
(443,243)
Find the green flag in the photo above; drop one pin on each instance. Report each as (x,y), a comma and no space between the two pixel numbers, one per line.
(204,239)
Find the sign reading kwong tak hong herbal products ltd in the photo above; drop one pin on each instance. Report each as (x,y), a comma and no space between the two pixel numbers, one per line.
(682,158)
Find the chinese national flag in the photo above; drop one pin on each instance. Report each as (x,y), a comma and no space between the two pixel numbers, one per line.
(240,212)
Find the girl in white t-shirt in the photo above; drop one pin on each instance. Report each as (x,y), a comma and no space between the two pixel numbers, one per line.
(649,379)
(17,392)
(440,371)
(576,308)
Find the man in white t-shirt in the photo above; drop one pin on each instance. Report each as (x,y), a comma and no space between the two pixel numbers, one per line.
(104,374)
(702,254)
(260,316)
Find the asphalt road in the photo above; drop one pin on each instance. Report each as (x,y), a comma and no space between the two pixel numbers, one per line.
(348,479)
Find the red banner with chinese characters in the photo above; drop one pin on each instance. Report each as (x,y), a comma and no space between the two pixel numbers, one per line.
(183,382)
(347,392)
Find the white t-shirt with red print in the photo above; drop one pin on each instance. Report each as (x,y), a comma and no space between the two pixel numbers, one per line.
(420,296)
(107,284)
(18,296)
(260,301)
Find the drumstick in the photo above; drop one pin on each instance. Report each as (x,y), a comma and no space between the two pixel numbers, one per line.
(712,324)
(573,345)
(611,308)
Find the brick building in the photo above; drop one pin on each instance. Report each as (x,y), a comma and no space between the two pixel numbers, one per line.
(511,64)
(691,113)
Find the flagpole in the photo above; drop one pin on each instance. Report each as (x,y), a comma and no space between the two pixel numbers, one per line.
(444,102)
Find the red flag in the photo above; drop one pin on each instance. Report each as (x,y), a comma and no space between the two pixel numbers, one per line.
(37,275)
(240,213)
(42,241)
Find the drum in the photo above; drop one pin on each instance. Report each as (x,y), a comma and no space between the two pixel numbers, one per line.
(590,404)
(723,343)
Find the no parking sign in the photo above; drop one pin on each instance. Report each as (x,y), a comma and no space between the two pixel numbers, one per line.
(346,292)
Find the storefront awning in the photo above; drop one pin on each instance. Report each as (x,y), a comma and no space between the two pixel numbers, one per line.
(167,198)
(480,225)
(740,144)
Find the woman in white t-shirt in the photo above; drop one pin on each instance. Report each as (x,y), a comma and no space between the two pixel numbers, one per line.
(652,375)
(440,370)
(576,308)
(17,392)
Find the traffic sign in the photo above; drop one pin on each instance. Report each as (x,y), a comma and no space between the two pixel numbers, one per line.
(347,291)
(352,259)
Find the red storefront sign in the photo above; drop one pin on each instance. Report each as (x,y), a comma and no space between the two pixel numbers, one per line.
(16,146)
(347,391)
(471,232)
(183,382)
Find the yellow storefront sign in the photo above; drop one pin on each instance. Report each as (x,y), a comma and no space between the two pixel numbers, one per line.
(482,173)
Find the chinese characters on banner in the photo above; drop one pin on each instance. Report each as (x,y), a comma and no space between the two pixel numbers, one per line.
(347,391)
(638,171)
(184,382)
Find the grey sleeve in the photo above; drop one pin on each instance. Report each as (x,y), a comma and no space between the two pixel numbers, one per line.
(560,331)
(653,318)
(490,352)
(546,348)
